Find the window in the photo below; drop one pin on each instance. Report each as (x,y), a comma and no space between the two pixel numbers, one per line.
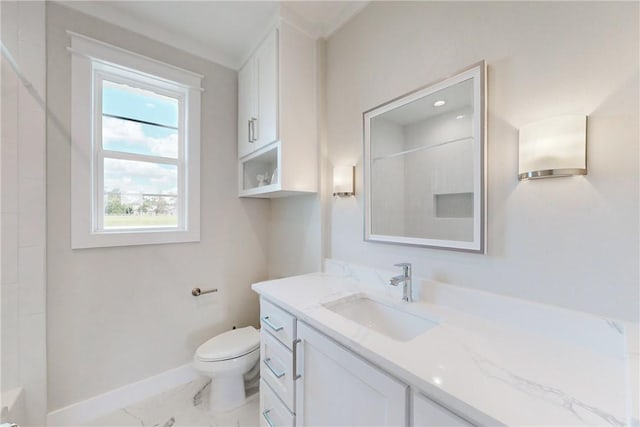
(135,148)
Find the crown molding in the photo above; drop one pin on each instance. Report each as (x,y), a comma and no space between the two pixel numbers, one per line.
(109,12)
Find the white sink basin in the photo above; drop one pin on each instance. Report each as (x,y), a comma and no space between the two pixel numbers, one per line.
(381,317)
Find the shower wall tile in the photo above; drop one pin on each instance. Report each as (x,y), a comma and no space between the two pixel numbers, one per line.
(9,245)
(35,397)
(9,187)
(31,60)
(9,335)
(32,212)
(23,204)
(31,19)
(31,280)
(33,350)
(31,129)
(10,25)
(9,130)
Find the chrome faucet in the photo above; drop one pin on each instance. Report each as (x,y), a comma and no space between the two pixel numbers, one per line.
(405,279)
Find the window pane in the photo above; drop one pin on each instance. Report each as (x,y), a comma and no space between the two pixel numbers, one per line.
(138,138)
(138,104)
(139,194)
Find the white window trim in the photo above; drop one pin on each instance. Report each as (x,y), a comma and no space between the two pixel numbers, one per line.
(91,56)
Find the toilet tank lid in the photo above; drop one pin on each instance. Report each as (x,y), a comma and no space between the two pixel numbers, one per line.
(229,345)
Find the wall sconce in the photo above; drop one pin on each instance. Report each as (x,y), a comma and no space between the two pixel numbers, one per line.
(553,148)
(344,181)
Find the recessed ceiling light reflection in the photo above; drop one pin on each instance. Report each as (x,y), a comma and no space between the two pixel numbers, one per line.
(439,103)
(460,116)
(437,380)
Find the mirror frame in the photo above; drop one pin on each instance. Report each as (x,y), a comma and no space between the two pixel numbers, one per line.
(478,72)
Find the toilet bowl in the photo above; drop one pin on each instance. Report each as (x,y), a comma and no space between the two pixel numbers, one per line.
(226,358)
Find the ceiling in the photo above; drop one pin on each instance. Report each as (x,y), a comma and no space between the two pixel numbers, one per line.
(221,31)
(458,97)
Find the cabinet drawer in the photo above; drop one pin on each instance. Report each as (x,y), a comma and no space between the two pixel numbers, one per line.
(278,322)
(276,368)
(427,413)
(273,413)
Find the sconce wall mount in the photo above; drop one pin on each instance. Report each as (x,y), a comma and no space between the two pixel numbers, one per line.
(344,181)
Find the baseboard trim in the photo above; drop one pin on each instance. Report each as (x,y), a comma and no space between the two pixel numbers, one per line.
(97,406)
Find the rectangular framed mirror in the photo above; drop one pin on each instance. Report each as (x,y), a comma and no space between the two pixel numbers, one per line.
(424,165)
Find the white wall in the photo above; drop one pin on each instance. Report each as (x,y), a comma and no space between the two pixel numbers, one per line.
(294,237)
(23,206)
(571,242)
(297,238)
(118,315)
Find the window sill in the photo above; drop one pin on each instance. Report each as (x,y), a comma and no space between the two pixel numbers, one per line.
(133,238)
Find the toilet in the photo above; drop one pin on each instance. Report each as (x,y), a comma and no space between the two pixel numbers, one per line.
(226,359)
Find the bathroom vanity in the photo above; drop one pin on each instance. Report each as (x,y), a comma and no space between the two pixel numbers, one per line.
(306,373)
(324,363)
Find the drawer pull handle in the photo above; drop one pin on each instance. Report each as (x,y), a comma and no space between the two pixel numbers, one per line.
(254,127)
(278,374)
(296,375)
(268,322)
(266,416)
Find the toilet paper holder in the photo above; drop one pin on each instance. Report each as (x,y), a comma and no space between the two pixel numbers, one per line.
(196,292)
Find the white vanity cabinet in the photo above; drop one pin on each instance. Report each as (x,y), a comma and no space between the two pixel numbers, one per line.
(277,130)
(427,413)
(338,388)
(277,377)
(307,379)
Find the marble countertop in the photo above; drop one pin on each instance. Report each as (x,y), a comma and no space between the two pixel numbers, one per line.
(490,371)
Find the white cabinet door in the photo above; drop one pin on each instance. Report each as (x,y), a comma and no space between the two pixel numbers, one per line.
(247,107)
(258,98)
(427,413)
(337,388)
(266,127)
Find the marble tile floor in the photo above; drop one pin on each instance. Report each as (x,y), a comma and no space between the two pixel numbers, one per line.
(184,406)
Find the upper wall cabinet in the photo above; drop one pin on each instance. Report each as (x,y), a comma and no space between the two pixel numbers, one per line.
(277,132)
(258,98)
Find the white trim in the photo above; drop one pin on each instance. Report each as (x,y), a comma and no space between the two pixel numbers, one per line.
(97,406)
(111,54)
(105,11)
(476,73)
(350,10)
(96,61)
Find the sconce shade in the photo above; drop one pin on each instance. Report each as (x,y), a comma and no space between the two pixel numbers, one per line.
(344,180)
(553,148)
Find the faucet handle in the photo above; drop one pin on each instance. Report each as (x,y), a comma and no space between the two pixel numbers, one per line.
(406,267)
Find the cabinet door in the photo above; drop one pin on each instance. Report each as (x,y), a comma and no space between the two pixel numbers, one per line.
(337,388)
(427,413)
(267,96)
(247,107)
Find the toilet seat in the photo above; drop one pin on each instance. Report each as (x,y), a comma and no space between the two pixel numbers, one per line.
(229,345)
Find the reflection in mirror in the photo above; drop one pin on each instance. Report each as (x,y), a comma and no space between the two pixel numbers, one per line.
(424,156)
